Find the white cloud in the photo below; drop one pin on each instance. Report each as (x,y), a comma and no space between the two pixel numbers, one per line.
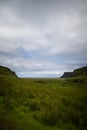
(64,31)
(45,29)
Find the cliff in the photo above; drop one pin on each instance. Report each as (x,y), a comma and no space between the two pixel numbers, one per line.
(80,72)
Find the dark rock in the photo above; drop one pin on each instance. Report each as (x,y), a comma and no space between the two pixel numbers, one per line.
(67,75)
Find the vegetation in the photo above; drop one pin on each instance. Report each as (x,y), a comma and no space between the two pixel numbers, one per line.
(43,104)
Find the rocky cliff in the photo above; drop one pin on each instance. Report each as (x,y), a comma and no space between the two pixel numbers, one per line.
(80,72)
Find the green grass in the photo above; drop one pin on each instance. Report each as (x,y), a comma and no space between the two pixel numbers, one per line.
(43,104)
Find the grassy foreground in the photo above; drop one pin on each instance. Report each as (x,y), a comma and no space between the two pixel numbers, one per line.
(43,104)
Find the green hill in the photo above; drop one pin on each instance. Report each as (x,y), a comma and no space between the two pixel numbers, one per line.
(77,73)
(4,71)
(81,72)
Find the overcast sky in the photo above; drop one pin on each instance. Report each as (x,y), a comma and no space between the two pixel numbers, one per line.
(43,38)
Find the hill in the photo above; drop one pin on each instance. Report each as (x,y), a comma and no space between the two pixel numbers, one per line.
(4,71)
(80,72)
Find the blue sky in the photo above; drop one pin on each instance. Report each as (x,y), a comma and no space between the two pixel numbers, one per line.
(43,38)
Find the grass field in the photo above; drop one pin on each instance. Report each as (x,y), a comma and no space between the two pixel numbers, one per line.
(43,104)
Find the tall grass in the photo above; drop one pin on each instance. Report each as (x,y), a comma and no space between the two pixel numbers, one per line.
(43,104)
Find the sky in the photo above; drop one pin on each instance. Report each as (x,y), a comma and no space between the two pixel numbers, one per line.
(43,38)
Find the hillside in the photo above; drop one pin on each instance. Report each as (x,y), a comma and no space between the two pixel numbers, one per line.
(4,71)
(80,72)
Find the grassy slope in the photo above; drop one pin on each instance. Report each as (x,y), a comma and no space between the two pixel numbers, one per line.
(81,72)
(4,71)
(43,104)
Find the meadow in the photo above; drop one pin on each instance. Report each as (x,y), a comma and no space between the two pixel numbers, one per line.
(43,104)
